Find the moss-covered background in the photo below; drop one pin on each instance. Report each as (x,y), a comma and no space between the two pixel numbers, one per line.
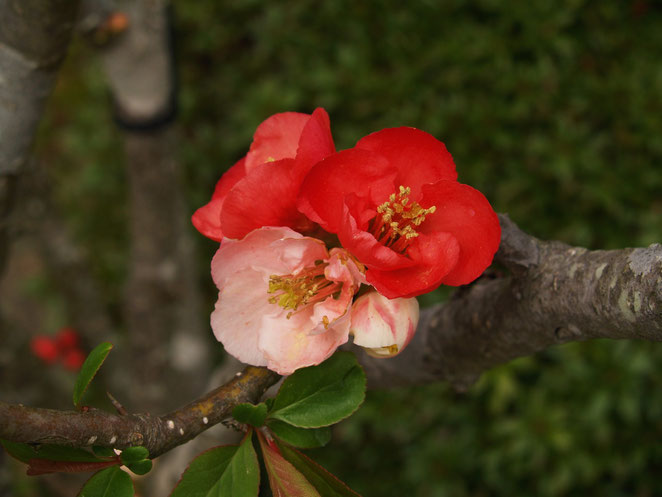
(552,108)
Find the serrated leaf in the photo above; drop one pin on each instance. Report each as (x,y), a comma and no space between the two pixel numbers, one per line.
(321,395)
(89,369)
(141,467)
(134,454)
(304,438)
(24,452)
(204,472)
(250,414)
(108,482)
(326,484)
(284,479)
(222,471)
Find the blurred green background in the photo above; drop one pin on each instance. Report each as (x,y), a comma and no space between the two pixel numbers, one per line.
(552,108)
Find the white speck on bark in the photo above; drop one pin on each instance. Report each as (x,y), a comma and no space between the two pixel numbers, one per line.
(205,420)
(181,431)
(113,440)
(171,424)
(92,439)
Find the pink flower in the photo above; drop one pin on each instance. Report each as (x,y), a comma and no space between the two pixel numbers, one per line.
(283,298)
(261,189)
(383,326)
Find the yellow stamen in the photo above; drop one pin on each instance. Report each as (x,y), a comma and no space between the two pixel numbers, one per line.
(394,225)
(295,291)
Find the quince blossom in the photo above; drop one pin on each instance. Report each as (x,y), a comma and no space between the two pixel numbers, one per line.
(261,189)
(395,204)
(383,326)
(283,298)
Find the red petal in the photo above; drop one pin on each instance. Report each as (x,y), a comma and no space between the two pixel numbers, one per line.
(315,143)
(207,219)
(464,212)
(265,197)
(434,256)
(367,249)
(353,171)
(276,138)
(419,157)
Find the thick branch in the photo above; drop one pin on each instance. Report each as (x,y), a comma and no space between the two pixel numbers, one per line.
(34,35)
(158,433)
(554,294)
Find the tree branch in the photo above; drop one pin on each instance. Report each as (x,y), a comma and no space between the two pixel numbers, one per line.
(34,35)
(158,434)
(554,294)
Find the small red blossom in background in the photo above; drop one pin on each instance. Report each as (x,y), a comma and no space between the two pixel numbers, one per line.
(64,348)
(44,348)
(392,216)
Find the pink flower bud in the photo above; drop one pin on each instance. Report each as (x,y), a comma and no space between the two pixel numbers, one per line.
(383,326)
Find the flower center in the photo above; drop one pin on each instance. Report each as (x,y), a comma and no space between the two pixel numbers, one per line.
(297,291)
(396,221)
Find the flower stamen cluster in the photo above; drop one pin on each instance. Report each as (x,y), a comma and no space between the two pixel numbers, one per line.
(394,225)
(302,288)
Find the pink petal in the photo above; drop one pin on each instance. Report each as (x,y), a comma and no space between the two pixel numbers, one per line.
(272,250)
(383,326)
(288,345)
(239,313)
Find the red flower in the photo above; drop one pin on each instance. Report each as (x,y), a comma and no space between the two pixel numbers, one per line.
(45,348)
(67,339)
(261,189)
(73,359)
(395,204)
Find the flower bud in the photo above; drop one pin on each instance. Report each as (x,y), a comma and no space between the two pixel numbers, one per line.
(383,326)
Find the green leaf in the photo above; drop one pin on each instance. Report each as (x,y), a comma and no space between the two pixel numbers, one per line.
(250,414)
(141,467)
(134,454)
(284,479)
(103,451)
(222,471)
(321,395)
(108,482)
(24,452)
(204,472)
(89,369)
(326,484)
(304,438)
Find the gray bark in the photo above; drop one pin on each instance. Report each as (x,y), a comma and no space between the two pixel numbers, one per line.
(34,35)
(168,340)
(554,294)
